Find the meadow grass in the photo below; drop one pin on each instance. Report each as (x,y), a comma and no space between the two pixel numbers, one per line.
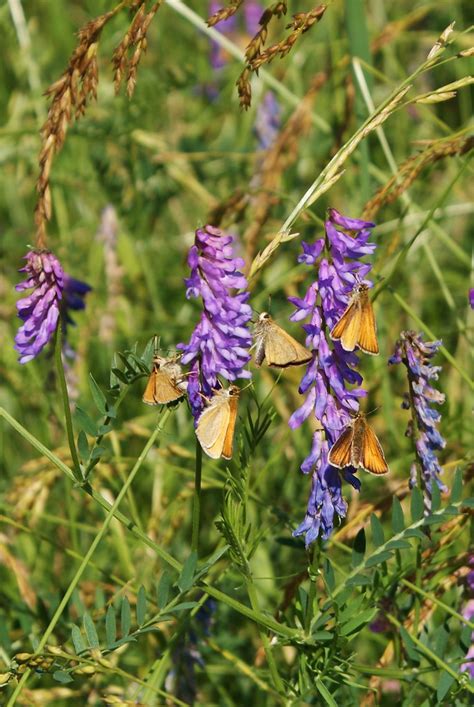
(123,580)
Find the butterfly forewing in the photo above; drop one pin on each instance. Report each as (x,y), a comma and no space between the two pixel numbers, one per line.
(216,425)
(212,427)
(341,451)
(356,327)
(278,348)
(163,384)
(372,457)
(358,446)
(368,331)
(229,437)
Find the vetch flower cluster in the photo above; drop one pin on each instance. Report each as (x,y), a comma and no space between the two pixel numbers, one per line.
(54,294)
(330,377)
(416,355)
(220,342)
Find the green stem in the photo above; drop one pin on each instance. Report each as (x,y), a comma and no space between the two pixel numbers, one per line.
(67,410)
(107,420)
(438,602)
(73,584)
(261,619)
(277,681)
(429,654)
(197,498)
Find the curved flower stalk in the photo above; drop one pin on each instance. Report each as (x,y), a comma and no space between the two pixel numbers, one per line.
(330,377)
(416,355)
(221,340)
(54,294)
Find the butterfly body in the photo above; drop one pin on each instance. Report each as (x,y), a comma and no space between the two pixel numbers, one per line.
(358,446)
(216,425)
(276,347)
(356,326)
(165,384)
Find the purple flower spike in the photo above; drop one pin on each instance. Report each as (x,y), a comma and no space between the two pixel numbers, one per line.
(416,355)
(329,378)
(54,293)
(221,340)
(39,311)
(471,297)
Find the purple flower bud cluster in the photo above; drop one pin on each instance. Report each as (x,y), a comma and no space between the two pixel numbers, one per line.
(54,294)
(221,340)
(416,355)
(330,376)
(471,297)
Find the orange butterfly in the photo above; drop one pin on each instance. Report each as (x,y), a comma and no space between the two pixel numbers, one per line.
(358,446)
(216,425)
(356,327)
(278,348)
(165,383)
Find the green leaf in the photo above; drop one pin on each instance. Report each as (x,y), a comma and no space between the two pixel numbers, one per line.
(445,680)
(83,446)
(303,599)
(110,626)
(329,575)
(97,395)
(97,452)
(398,521)
(85,422)
(398,545)
(118,373)
(125,617)
(358,549)
(358,579)
(91,633)
(415,533)
(215,557)
(148,351)
(186,577)
(141,606)
(410,646)
(322,636)
(456,491)
(435,496)
(417,504)
(62,677)
(469,502)
(378,558)
(361,619)
(78,640)
(163,589)
(182,607)
(325,694)
(378,537)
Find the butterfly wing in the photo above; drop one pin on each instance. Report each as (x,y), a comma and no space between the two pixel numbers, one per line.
(347,329)
(340,454)
(229,437)
(282,350)
(367,340)
(372,458)
(166,391)
(149,394)
(212,428)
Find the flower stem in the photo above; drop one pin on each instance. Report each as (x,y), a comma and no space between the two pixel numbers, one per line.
(73,584)
(197,498)
(277,681)
(67,410)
